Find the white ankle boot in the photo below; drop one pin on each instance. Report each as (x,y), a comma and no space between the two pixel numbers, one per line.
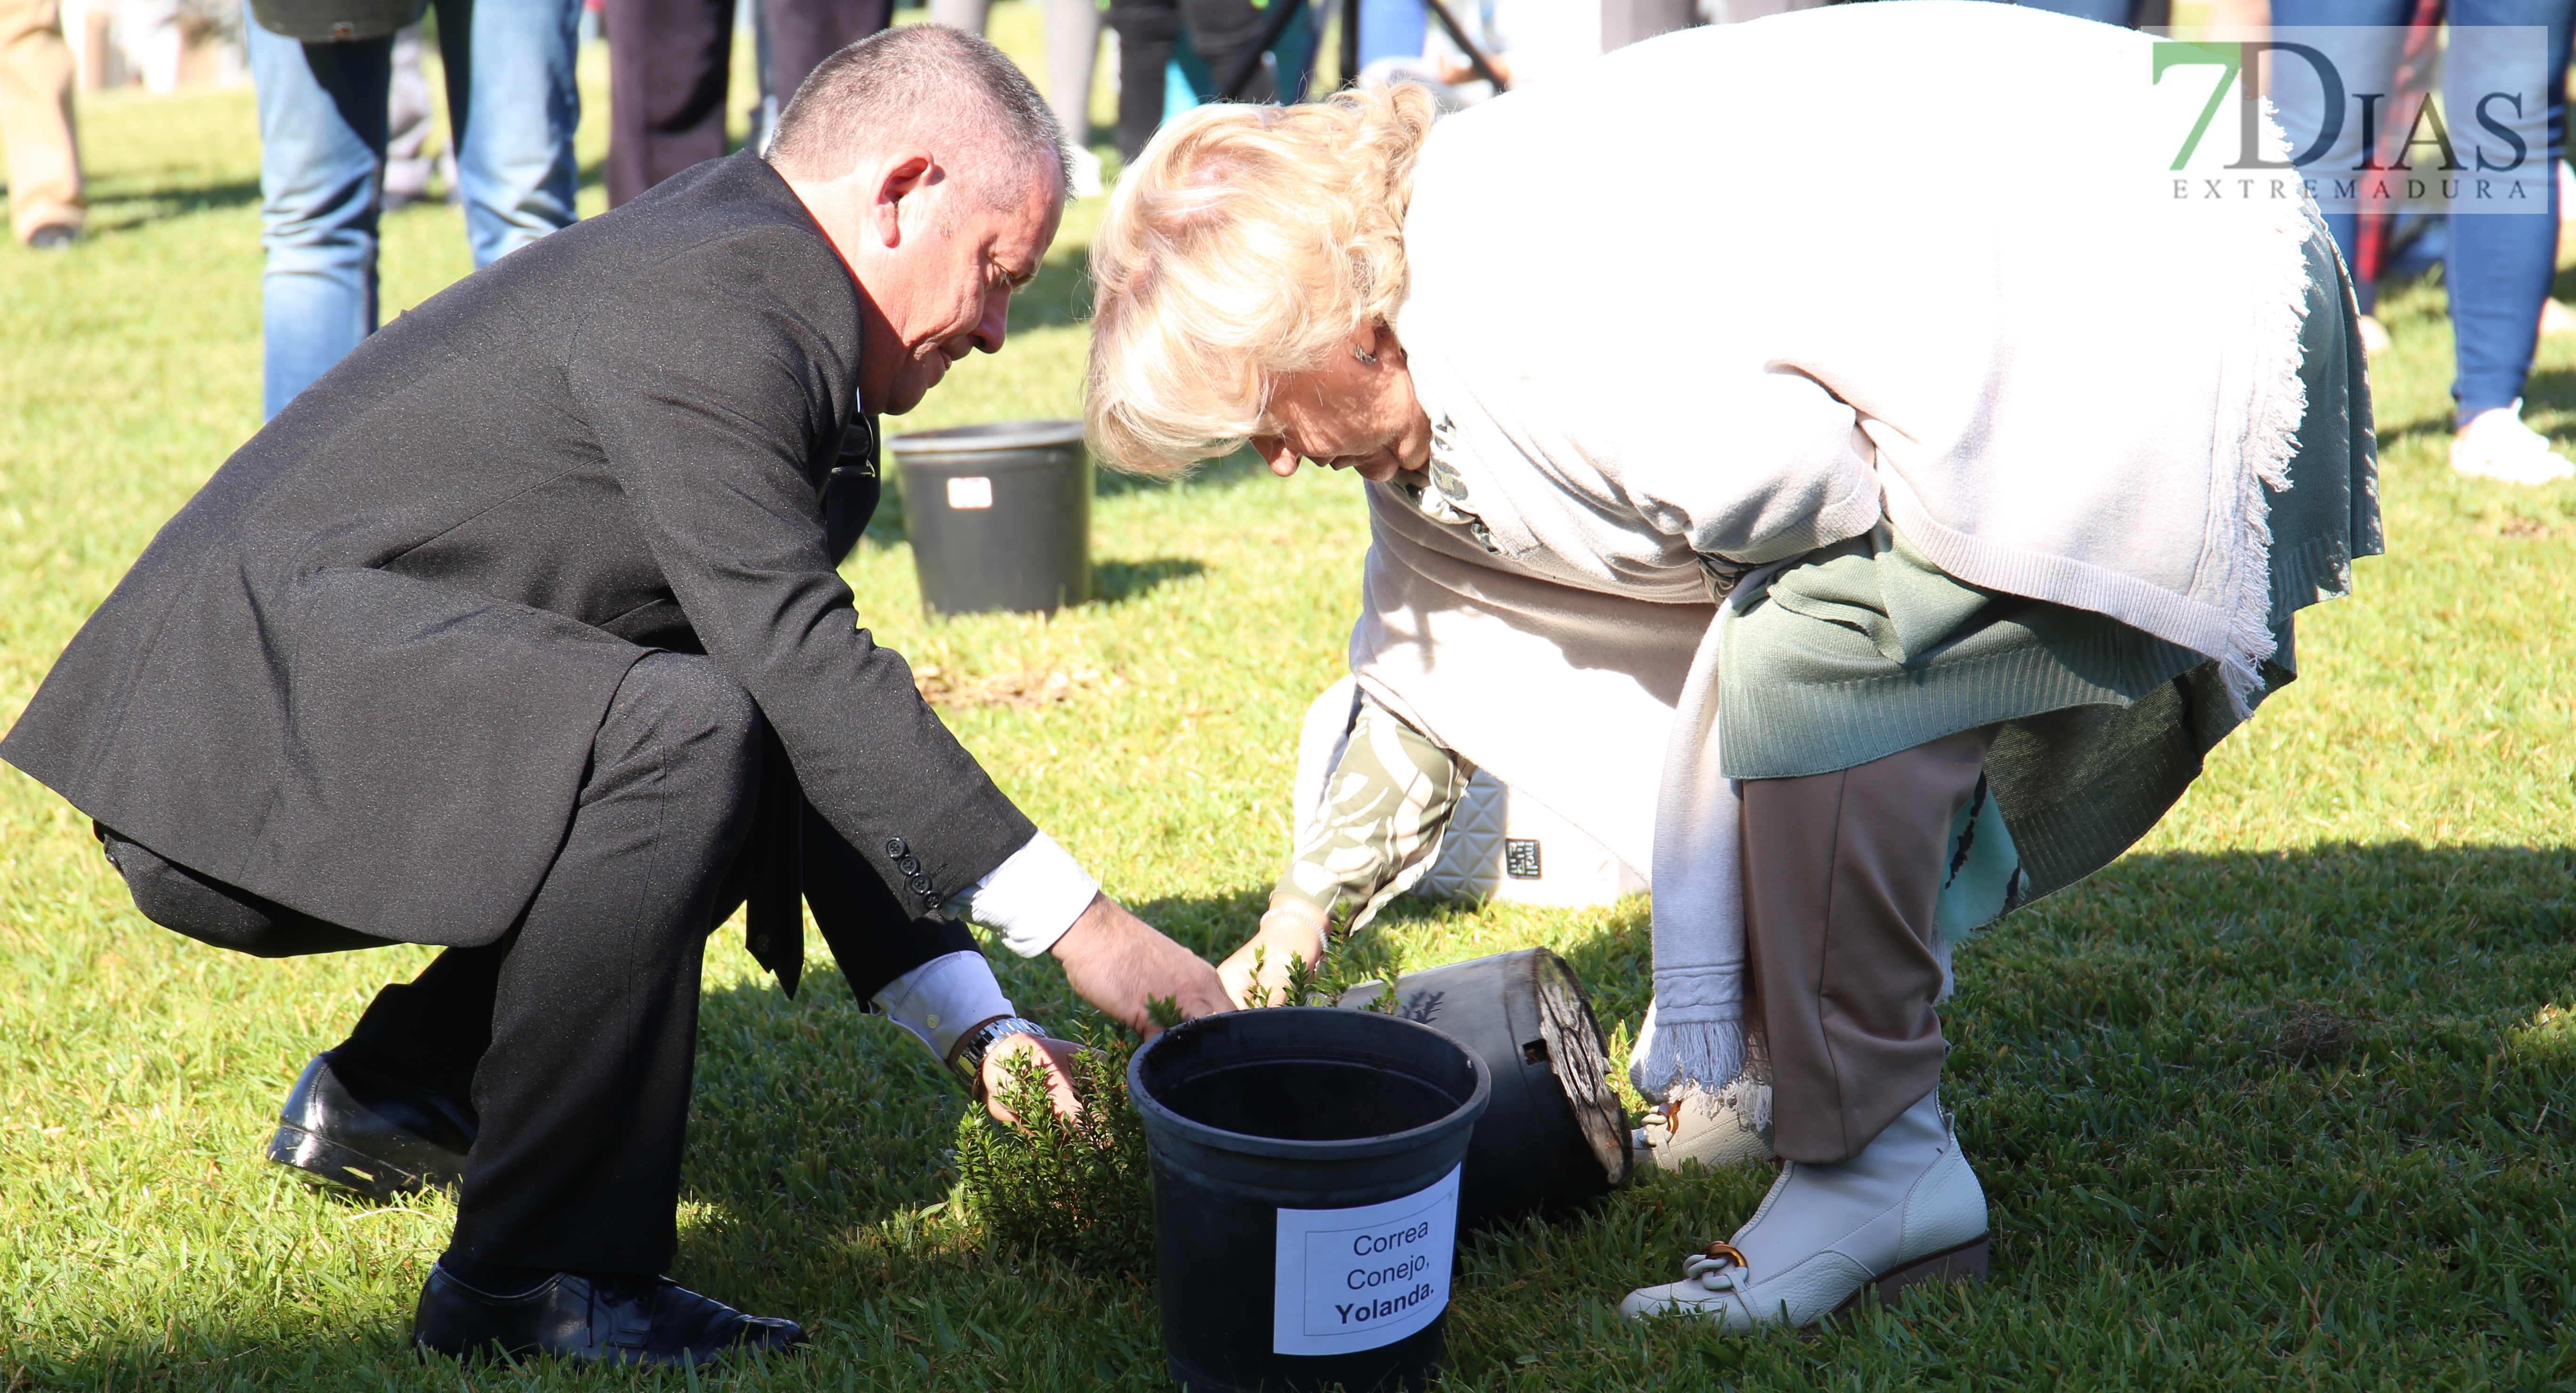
(1907,1209)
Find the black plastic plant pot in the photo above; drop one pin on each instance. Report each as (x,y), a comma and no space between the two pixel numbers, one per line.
(999,514)
(1306,1164)
(1555,1135)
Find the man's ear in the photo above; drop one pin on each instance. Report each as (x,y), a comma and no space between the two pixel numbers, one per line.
(901,177)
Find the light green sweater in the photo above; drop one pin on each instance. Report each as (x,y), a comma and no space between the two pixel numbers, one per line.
(1865,648)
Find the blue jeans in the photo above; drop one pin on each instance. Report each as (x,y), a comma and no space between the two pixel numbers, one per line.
(1395,28)
(322,149)
(2500,264)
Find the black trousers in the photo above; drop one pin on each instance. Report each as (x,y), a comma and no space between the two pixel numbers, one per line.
(574,1035)
(1222,31)
(667,64)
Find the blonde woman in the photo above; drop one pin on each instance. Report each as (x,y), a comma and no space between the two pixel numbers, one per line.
(1804,315)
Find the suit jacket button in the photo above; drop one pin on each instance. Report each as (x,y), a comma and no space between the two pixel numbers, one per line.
(920,884)
(909,865)
(895,846)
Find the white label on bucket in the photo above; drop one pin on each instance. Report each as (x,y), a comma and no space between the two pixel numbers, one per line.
(1355,1279)
(973,491)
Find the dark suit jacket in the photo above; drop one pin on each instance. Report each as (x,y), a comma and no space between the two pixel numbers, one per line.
(359,673)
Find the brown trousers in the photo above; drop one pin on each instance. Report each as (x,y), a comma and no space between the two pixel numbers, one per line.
(1841,872)
(36,118)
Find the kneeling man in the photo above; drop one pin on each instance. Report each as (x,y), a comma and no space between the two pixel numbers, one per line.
(520,633)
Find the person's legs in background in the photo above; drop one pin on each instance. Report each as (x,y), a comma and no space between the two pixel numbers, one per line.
(666,89)
(1393,29)
(45,204)
(1624,22)
(2362,40)
(410,161)
(1220,32)
(2499,272)
(968,15)
(1073,49)
(1224,32)
(802,33)
(322,122)
(1147,29)
(513,126)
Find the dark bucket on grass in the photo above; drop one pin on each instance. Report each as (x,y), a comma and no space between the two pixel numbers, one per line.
(1555,1135)
(1305,1195)
(999,515)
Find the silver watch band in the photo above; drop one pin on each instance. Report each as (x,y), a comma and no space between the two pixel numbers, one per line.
(968,1060)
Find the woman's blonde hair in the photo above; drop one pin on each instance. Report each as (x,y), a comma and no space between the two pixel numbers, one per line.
(1245,243)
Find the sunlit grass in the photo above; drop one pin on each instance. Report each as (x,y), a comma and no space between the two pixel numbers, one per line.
(2282,1099)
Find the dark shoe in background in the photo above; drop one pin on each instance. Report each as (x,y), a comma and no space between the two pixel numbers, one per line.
(593,1320)
(53,237)
(378,1136)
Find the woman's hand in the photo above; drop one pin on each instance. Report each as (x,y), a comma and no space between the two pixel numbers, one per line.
(1293,929)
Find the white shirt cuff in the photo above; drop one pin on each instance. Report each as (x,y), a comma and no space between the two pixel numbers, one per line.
(944,998)
(1032,898)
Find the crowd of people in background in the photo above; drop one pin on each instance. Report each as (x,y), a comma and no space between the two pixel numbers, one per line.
(46,208)
(344,127)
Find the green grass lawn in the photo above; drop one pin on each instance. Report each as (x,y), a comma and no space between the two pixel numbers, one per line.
(2282,1099)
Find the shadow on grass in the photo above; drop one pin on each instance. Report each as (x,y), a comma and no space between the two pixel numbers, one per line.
(1116,582)
(2217,1091)
(122,205)
(2549,390)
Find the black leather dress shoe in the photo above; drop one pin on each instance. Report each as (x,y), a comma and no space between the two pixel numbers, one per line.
(593,1320)
(378,1136)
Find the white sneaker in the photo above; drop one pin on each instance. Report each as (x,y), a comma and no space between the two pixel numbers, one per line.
(1907,1209)
(1708,1127)
(2495,444)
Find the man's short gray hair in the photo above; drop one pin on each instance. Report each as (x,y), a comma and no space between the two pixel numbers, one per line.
(927,84)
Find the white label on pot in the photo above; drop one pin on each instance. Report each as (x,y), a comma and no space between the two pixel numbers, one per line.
(973,491)
(1354,1279)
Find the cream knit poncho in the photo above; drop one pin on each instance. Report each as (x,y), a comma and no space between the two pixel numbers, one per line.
(1736,293)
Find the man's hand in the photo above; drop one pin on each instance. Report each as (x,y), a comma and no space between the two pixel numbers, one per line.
(1054,1059)
(1292,930)
(1119,963)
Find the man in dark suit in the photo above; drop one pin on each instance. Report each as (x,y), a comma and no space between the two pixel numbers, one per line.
(520,633)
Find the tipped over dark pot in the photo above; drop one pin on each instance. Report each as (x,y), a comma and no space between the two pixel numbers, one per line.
(1555,1135)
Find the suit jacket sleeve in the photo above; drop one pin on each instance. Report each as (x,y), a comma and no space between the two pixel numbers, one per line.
(709,388)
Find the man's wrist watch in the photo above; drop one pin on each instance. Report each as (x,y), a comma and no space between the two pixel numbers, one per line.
(966,1057)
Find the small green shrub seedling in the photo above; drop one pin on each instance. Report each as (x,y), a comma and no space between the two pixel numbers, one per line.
(1078,1188)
